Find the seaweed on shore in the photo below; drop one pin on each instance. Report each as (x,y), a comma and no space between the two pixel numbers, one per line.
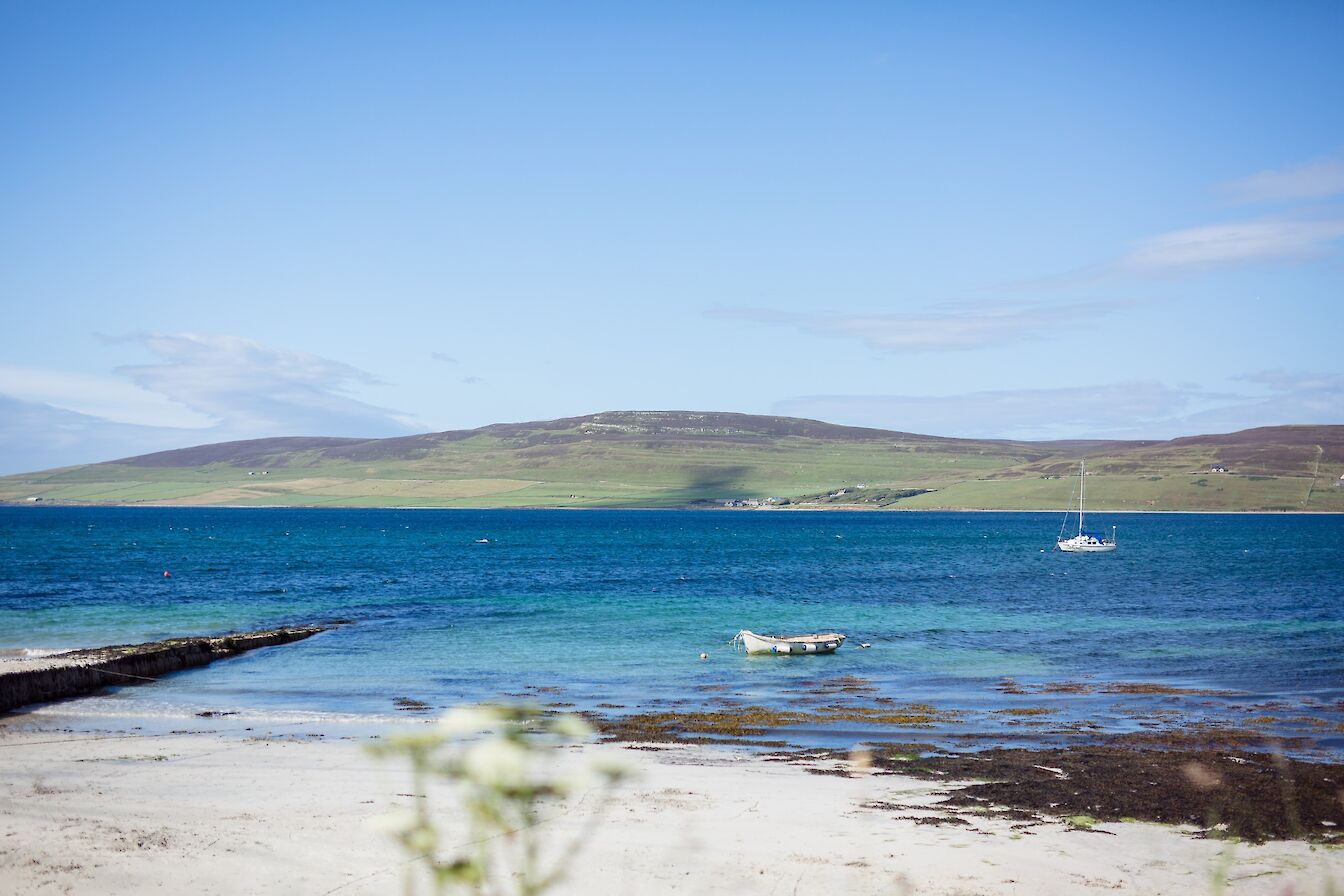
(1143,687)
(1250,796)
(1025,711)
(689,727)
(937,820)
(1067,687)
(841,684)
(1207,737)
(755,721)
(1253,796)
(1202,775)
(1126,688)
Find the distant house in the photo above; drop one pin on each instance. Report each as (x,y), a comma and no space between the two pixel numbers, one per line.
(1217,468)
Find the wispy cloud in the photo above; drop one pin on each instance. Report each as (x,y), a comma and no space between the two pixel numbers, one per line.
(1319,179)
(1232,244)
(39,436)
(1069,412)
(253,388)
(1280,380)
(1133,410)
(1293,397)
(947,327)
(204,388)
(1304,229)
(440,356)
(98,396)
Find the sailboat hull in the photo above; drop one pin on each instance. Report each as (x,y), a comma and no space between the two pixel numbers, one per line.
(1084,545)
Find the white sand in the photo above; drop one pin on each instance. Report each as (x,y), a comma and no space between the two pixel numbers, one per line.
(207,813)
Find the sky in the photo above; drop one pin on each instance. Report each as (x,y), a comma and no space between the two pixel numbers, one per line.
(1032,221)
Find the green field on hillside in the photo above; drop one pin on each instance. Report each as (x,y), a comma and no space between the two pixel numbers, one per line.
(1177,492)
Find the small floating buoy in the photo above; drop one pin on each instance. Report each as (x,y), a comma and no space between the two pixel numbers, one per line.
(704,656)
(167,574)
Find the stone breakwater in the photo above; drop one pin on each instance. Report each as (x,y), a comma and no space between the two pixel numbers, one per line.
(78,672)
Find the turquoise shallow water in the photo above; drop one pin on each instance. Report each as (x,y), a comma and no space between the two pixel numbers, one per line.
(614,606)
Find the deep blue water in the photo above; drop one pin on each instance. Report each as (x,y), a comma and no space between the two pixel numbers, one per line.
(615,606)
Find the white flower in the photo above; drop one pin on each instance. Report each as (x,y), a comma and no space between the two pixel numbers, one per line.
(395,823)
(421,841)
(572,727)
(501,764)
(465,720)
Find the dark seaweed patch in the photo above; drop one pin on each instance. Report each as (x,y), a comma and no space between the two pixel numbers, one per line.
(1253,796)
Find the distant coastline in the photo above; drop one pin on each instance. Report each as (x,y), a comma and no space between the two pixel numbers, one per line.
(694,460)
(681,509)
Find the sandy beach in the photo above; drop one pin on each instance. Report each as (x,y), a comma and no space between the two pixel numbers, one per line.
(295,811)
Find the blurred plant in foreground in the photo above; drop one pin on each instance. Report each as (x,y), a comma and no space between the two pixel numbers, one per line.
(505,768)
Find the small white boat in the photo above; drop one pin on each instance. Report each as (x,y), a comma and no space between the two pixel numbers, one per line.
(1087,543)
(1084,542)
(824,643)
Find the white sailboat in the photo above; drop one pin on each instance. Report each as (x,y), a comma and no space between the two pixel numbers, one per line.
(1084,542)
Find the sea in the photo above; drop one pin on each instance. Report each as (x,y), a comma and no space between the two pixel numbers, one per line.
(1213,621)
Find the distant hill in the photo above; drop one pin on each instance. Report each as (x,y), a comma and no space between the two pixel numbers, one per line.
(684,458)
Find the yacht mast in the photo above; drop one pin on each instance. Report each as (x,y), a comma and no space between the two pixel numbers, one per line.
(1082,487)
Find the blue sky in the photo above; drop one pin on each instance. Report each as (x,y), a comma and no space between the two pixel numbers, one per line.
(1029,221)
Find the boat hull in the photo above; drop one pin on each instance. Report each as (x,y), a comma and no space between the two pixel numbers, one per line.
(799,644)
(1077,546)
